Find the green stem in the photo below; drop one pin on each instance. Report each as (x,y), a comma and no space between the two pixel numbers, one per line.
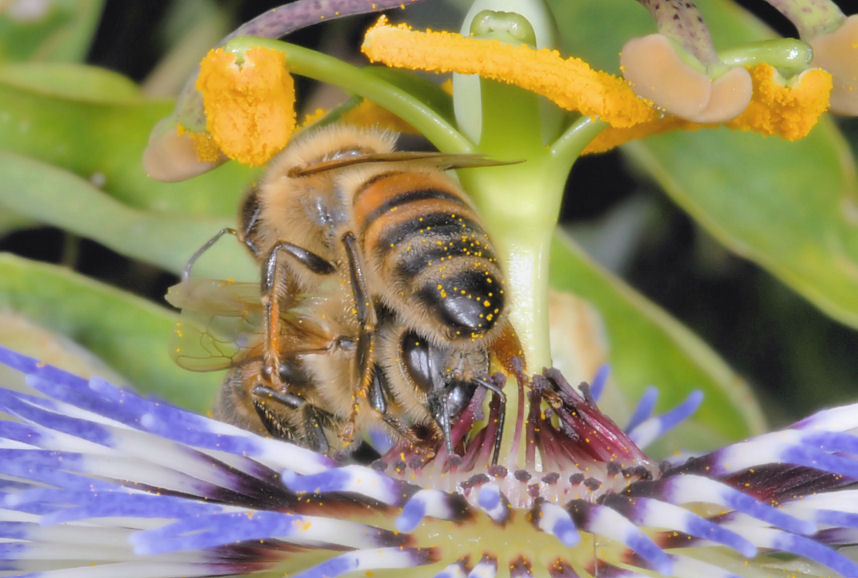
(512,209)
(520,204)
(513,202)
(788,55)
(682,22)
(569,145)
(355,80)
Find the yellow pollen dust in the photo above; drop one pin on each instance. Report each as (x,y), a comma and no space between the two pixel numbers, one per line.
(569,82)
(249,107)
(789,109)
(204,145)
(368,114)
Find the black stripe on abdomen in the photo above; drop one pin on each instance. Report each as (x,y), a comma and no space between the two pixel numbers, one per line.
(405,198)
(438,225)
(470,245)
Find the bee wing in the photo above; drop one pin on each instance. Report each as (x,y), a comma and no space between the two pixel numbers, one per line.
(441,160)
(213,295)
(222,324)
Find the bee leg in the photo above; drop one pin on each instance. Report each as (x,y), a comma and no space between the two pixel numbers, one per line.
(367,320)
(441,412)
(270,277)
(365,308)
(251,211)
(378,402)
(250,216)
(277,426)
(377,399)
(501,414)
(274,421)
(313,427)
(364,357)
(186,273)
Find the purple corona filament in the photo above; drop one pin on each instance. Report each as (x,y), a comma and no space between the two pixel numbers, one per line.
(98,481)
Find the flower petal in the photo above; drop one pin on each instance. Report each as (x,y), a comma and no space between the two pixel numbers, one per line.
(95,481)
(837,52)
(174,154)
(655,71)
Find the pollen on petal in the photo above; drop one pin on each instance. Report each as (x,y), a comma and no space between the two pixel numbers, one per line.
(312,117)
(611,138)
(204,145)
(175,154)
(790,112)
(569,82)
(249,105)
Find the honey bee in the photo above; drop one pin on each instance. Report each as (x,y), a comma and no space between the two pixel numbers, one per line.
(388,249)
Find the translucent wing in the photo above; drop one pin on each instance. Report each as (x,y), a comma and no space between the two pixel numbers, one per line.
(222,323)
(441,160)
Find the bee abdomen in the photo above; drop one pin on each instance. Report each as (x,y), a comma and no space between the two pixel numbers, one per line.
(403,199)
(423,229)
(456,278)
(428,244)
(414,260)
(467,302)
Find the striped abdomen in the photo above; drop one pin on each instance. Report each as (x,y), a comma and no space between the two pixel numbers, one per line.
(429,255)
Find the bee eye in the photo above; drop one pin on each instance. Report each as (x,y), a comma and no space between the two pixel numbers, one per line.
(425,365)
(343,343)
(416,358)
(293,372)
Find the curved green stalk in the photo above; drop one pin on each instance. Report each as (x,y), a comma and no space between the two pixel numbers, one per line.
(788,55)
(568,146)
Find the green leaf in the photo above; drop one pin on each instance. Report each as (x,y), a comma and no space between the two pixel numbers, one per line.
(128,333)
(789,207)
(728,23)
(22,335)
(59,31)
(57,197)
(72,81)
(191,28)
(649,347)
(99,133)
